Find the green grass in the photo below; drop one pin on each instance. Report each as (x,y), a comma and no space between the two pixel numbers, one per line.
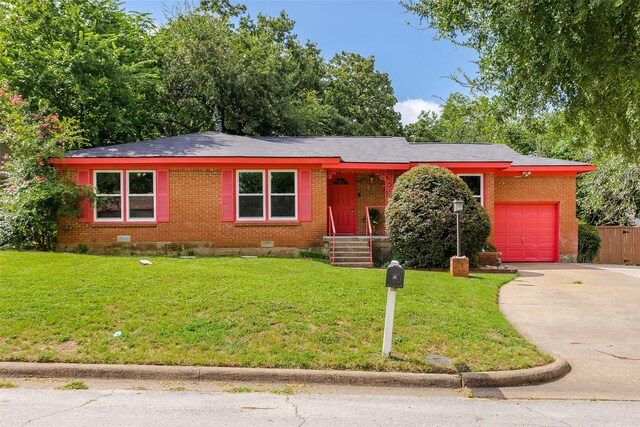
(239,389)
(74,385)
(7,384)
(282,313)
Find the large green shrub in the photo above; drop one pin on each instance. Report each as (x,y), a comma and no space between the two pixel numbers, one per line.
(32,194)
(588,242)
(420,219)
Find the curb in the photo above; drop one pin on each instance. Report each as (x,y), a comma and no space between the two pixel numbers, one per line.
(192,373)
(517,378)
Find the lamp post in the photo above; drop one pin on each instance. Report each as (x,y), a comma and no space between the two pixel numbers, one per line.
(457,208)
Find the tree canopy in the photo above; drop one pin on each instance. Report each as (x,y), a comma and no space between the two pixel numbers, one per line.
(123,79)
(580,57)
(87,59)
(362,97)
(259,78)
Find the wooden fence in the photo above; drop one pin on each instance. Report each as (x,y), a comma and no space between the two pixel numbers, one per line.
(620,245)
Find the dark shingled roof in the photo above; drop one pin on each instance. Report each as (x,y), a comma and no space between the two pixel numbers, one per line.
(348,149)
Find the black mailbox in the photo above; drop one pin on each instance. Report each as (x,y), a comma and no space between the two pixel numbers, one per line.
(395,275)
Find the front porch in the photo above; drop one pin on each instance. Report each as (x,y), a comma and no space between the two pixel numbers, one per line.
(356,235)
(351,194)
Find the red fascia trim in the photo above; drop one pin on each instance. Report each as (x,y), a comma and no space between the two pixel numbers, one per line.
(466,165)
(169,162)
(367,166)
(519,174)
(573,169)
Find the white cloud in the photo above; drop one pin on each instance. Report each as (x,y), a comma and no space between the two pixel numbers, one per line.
(411,109)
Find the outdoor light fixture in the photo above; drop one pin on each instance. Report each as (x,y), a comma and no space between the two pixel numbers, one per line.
(457,208)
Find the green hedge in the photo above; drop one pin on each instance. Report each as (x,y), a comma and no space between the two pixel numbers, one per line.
(588,242)
(420,219)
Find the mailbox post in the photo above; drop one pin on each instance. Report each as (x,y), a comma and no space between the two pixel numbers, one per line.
(395,281)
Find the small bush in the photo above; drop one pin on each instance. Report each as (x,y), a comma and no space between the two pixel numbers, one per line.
(420,219)
(319,256)
(588,243)
(81,248)
(374,215)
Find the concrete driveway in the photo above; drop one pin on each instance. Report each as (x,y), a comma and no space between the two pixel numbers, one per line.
(587,314)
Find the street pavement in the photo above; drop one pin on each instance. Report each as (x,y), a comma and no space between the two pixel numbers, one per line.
(19,407)
(586,314)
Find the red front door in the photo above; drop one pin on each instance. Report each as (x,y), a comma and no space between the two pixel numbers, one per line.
(342,199)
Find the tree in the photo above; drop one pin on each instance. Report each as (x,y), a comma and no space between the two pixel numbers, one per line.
(581,57)
(610,195)
(255,75)
(361,96)
(87,59)
(424,130)
(484,119)
(421,222)
(33,195)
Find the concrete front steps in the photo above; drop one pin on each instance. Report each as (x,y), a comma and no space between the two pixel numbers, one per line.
(352,251)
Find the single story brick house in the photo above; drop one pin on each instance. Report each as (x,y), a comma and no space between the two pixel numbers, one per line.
(214,193)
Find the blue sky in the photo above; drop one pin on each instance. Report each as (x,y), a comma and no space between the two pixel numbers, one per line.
(417,64)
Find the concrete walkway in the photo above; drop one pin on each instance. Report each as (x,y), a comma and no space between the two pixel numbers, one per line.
(587,314)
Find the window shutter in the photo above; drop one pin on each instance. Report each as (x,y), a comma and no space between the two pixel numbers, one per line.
(162,195)
(227,195)
(84,178)
(304,195)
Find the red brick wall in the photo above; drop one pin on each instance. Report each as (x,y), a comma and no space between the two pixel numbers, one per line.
(560,189)
(196,213)
(195,207)
(369,192)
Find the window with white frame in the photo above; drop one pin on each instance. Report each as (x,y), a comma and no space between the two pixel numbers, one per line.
(476,185)
(141,200)
(250,195)
(282,195)
(108,187)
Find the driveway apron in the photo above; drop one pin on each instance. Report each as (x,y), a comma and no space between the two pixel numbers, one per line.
(586,314)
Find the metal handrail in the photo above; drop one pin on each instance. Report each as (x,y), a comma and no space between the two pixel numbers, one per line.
(332,231)
(370,229)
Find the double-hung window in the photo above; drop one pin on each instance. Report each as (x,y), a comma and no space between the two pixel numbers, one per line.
(113,188)
(476,185)
(108,187)
(282,195)
(250,199)
(141,200)
(266,195)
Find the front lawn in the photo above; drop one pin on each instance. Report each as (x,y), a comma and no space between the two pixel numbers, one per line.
(264,312)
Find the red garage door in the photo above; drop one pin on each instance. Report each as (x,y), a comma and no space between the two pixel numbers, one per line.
(526,232)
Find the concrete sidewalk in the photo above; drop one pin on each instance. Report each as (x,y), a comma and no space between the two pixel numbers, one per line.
(586,314)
